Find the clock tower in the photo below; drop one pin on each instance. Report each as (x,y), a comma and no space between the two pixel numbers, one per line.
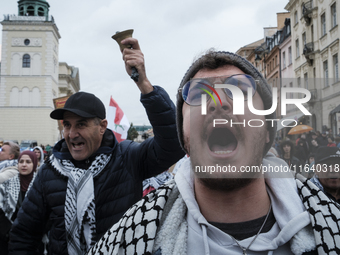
(29,78)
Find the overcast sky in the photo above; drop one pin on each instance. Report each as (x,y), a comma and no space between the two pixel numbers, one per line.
(170,33)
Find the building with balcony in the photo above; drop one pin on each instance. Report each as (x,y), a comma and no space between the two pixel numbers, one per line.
(31,75)
(315,47)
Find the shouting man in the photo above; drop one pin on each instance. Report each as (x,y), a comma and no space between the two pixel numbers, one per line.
(223,199)
(90,180)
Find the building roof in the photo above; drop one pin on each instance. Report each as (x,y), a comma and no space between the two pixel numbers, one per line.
(254,44)
(250,46)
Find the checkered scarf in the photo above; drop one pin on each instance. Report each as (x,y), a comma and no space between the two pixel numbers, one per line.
(324,214)
(80,220)
(140,230)
(9,195)
(7,163)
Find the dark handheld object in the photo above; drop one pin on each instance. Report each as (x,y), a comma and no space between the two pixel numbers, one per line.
(134,75)
(120,36)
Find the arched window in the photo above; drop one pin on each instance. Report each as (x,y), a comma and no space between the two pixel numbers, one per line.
(25,97)
(35,97)
(41,11)
(30,11)
(26,61)
(15,64)
(21,11)
(14,97)
(36,64)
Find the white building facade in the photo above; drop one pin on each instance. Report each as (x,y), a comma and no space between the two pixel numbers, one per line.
(30,72)
(315,47)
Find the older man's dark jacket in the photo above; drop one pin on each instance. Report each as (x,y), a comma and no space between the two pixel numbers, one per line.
(116,188)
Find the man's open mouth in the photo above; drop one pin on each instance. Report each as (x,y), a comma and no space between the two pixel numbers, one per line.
(222,141)
(78,145)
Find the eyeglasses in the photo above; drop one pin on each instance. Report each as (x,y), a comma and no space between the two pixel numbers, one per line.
(193,90)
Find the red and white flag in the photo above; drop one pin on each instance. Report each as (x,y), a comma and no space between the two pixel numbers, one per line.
(117,121)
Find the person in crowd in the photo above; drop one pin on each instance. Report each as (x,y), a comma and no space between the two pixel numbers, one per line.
(301,136)
(315,146)
(43,148)
(337,141)
(300,152)
(90,180)
(329,132)
(296,141)
(303,140)
(311,159)
(48,147)
(9,154)
(311,135)
(331,142)
(13,192)
(308,169)
(327,174)
(288,152)
(205,210)
(40,155)
(322,139)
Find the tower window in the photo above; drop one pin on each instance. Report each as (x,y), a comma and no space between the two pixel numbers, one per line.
(41,11)
(26,61)
(27,42)
(21,11)
(30,11)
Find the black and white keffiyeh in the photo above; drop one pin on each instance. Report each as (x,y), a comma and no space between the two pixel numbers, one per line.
(9,195)
(324,214)
(80,220)
(135,233)
(7,163)
(145,227)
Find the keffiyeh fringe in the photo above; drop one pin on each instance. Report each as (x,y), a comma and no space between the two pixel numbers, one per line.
(80,220)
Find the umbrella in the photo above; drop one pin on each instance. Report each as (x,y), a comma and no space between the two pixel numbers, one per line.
(299,129)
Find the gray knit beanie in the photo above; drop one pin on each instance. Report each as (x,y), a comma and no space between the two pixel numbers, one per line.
(216,59)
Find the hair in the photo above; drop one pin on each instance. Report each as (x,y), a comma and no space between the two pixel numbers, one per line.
(15,149)
(97,120)
(289,143)
(301,141)
(332,138)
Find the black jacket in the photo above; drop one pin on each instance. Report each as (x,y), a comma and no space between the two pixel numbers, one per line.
(116,188)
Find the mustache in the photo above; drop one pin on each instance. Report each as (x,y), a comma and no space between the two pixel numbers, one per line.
(75,140)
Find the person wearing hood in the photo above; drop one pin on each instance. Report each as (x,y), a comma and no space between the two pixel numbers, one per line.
(40,155)
(13,192)
(91,179)
(215,205)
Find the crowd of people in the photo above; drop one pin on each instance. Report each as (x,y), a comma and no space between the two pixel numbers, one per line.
(86,197)
(300,153)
